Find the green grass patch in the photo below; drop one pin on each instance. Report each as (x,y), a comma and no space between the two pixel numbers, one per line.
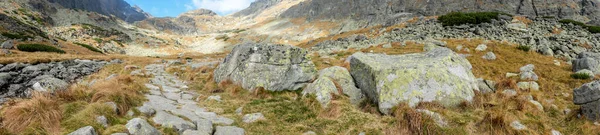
(87,116)
(594,29)
(524,48)
(38,48)
(91,48)
(459,18)
(582,76)
(99,40)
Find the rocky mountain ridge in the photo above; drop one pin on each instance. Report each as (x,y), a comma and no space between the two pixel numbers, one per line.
(118,8)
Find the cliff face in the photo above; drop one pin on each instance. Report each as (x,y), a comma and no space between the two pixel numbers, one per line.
(118,8)
(378,11)
(256,7)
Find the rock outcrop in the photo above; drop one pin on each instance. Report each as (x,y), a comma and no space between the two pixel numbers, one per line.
(118,8)
(373,12)
(588,97)
(438,75)
(272,67)
(18,79)
(587,61)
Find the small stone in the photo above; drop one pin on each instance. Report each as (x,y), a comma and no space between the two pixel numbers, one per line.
(309,133)
(119,134)
(527,68)
(388,45)
(250,118)
(509,75)
(9,44)
(555,132)
(537,104)
(556,62)
(131,67)
(239,110)
(509,93)
(88,130)
(567,111)
(113,105)
(489,56)
(146,110)
(111,76)
(529,86)
(130,113)
(214,98)
(459,48)
(481,47)
(193,132)
(102,121)
(204,126)
(138,126)
(517,125)
(229,130)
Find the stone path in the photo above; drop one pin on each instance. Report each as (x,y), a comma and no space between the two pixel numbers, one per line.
(170,104)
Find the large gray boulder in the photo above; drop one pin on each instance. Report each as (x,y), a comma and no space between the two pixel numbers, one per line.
(272,67)
(587,60)
(138,126)
(587,96)
(88,130)
(438,75)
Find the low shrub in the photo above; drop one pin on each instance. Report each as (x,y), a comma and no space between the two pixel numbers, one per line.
(89,47)
(523,48)
(590,28)
(459,18)
(38,48)
(99,40)
(581,76)
(594,29)
(16,36)
(567,21)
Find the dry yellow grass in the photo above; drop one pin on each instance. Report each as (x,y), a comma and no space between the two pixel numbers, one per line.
(40,114)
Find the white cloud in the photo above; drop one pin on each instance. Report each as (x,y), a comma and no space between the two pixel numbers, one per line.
(222,6)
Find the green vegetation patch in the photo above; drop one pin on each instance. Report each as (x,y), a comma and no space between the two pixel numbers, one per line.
(459,18)
(582,76)
(38,48)
(524,48)
(91,48)
(590,28)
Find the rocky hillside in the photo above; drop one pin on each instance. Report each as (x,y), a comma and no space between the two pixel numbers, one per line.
(118,8)
(373,12)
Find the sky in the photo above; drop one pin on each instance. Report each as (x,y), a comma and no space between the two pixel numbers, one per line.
(172,8)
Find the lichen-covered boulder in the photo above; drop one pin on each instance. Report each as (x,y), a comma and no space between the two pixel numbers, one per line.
(437,75)
(272,67)
(588,96)
(342,77)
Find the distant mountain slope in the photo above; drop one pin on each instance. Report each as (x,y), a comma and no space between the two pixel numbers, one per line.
(118,8)
(378,11)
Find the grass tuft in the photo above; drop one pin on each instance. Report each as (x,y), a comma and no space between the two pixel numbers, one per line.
(581,76)
(524,48)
